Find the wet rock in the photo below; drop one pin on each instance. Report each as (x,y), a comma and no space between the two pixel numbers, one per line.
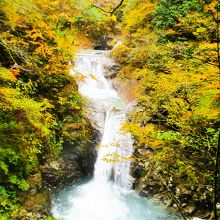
(168,202)
(144,193)
(136,171)
(157,199)
(112,71)
(96,115)
(77,162)
(64,173)
(125,89)
(189,210)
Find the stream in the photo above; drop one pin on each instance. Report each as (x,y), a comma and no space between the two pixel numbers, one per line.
(108,195)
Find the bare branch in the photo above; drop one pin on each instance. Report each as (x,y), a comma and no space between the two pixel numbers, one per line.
(102,9)
(112,11)
(119,5)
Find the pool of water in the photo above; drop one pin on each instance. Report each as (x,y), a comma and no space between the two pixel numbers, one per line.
(92,200)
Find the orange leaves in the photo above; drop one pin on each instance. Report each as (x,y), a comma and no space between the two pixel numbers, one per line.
(44,50)
(144,153)
(15,73)
(212,6)
(34,34)
(8,75)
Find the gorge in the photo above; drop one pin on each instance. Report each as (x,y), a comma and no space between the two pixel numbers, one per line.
(136,124)
(108,195)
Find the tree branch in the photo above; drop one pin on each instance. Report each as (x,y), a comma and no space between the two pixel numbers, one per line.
(102,9)
(112,11)
(119,5)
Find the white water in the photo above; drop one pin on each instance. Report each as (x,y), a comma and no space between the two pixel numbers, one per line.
(97,87)
(108,196)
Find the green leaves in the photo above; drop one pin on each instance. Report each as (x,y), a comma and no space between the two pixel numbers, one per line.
(168,136)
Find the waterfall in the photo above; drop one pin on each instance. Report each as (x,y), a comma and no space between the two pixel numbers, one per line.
(108,196)
(114,144)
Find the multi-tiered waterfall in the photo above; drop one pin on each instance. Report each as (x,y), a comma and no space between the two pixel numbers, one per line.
(108,196)
(98,89)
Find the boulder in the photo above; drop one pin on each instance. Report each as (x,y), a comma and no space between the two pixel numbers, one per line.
(111,71)
(76,163)
(63,173)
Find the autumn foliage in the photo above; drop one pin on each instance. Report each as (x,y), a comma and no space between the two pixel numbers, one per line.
(170,49)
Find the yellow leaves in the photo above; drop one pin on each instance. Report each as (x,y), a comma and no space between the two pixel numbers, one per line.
(114,18)
(200,25)
(189,167)
(200,30)
(144,135)
(212,6)
(206,45)
(120,53)
(75,106)
(10,9)
(43,49)
(8,75)
(65,43)
(27,110)
(139,15)
(45,29)
(80,77)
(170,32)
(92,76)
(7,93)
(15,73)
(116,158)
(82,41)
(20,12)
(112,158)
(208,103)
(34,34)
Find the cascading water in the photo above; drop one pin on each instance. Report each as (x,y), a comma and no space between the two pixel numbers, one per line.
(108,196)
(97,88)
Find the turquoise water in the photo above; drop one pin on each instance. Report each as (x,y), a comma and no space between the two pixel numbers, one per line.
(104,201)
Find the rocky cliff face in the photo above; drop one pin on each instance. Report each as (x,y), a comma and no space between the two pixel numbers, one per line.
(76,163)
(172,194)
(123,87)
(96,115)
